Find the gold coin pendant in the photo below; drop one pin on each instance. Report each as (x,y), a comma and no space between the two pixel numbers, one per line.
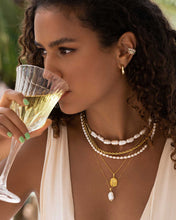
(113,182)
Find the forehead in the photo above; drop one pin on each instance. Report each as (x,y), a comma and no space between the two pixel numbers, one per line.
(53,23)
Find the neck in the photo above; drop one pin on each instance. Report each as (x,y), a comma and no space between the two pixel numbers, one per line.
(114,118)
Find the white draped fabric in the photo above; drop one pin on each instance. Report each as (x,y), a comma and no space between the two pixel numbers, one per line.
(56,201)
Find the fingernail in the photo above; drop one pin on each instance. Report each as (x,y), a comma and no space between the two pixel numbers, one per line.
(21,139)
(9,134)
(27,136)
(25,101)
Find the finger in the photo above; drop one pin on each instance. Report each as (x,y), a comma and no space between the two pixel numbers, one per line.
(10,122)
(42,129)
(11,95)
(5,132)
(13,117)
(10,129)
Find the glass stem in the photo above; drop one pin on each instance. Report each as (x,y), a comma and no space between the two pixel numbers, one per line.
(15,146)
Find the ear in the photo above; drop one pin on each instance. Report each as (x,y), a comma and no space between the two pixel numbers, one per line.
(126,41)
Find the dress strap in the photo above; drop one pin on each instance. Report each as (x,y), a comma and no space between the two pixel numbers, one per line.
(162,200)
(56,199)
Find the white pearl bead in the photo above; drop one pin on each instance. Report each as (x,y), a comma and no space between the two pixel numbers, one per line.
(114,142)
(142,132)
(122,143)
(94,134)
(101,139)
(136,136)
(111,196)
(130,140)
(106,142)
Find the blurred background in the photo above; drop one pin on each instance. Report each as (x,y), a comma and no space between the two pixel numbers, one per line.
(11,14)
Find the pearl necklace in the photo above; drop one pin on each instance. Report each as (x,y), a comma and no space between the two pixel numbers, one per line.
(117,142)
(93,145)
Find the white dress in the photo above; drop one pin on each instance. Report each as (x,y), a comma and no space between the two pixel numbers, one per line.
(56,199)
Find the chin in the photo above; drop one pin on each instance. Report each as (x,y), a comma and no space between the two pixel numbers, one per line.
(69,109)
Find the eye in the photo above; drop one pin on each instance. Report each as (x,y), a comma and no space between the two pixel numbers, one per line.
(65,50)
(42,51)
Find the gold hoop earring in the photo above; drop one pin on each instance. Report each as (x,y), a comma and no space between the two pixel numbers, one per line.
(123,70)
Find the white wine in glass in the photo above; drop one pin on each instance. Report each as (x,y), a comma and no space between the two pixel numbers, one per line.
(43,90)
(35,114)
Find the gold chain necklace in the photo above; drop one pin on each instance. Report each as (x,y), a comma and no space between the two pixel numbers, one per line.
(115,153)
(113,180)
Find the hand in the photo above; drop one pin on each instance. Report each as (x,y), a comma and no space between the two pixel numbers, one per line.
(11,124)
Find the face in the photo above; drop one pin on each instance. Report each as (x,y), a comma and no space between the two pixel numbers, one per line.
(74,53)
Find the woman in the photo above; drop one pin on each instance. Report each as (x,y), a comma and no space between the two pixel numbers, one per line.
(109,153)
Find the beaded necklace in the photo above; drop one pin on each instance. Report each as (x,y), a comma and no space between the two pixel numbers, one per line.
(106,154)
(117,142)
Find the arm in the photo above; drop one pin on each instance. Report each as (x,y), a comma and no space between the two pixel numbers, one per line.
(11,123)
(25,174)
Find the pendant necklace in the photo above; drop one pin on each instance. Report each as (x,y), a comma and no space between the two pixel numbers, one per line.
(113,182)
(126,155)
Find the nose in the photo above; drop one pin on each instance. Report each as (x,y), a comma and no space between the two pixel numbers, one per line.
(53,75)
(51,65)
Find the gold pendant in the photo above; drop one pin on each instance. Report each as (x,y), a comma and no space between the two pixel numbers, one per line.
(113,181)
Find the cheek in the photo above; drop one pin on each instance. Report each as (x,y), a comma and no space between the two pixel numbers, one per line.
(96,76)
(87,89)
(89,80)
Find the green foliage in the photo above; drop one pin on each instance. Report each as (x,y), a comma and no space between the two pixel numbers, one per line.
(169,9)
(167,2)
(10,18)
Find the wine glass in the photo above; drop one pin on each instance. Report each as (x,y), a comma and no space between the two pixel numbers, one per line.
(43,90)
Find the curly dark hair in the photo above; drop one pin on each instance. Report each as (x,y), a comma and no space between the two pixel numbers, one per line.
(152,72)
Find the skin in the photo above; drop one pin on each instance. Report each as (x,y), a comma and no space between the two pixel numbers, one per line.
(97,86)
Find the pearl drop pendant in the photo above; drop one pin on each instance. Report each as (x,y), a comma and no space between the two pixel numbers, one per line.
(111,196)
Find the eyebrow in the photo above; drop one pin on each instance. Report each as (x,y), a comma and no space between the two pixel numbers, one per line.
(58,42)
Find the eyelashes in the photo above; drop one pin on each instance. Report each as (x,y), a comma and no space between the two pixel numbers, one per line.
(42,52)
(61,51)
(65,50)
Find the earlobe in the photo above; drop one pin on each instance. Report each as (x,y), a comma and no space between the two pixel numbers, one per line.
(126,48)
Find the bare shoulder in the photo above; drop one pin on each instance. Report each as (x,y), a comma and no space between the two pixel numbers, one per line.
(25,174)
